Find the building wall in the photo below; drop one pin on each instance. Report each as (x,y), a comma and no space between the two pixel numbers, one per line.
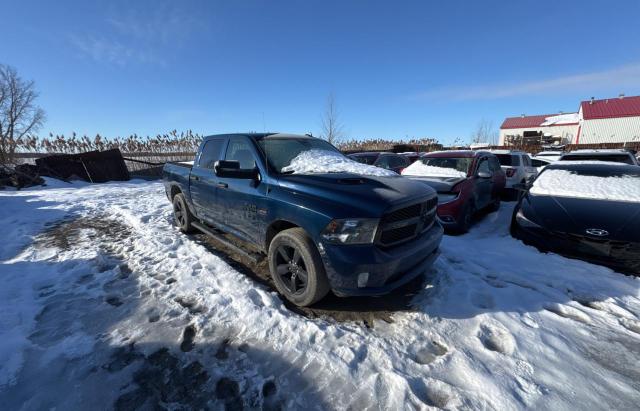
(609,130)
(568,132)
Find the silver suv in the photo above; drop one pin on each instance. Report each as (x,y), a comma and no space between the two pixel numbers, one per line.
(517,166)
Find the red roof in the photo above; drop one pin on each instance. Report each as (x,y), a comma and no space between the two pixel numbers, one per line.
(611,108)
(525,121)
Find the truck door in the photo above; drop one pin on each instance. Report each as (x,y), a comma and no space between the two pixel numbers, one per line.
(242,202)
(202,184)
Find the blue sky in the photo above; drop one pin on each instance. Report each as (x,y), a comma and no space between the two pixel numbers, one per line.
(397,69)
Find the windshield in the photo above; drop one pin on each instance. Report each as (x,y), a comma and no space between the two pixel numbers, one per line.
(365,159)
(280,151)
(461,164)
(616,158)
(590,183)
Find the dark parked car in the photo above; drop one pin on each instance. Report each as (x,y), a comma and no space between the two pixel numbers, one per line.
(351,233)
(589,211)
(466,181)
(610,155)
(389,161)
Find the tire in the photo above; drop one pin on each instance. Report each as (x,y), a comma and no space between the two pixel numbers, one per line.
(466,218)
(292,257)
(181,214)
(495,205)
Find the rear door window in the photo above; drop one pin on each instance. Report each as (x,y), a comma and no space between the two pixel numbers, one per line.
(210,153)
(526,160)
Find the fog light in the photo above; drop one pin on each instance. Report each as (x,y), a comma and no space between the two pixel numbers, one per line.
(447,219)
(363,279)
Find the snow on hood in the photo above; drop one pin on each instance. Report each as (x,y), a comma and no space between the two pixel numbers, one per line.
(418,168)
(564,183)
(561,119)
(324,161)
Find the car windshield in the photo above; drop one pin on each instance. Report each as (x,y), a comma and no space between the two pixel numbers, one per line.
(364,158)
(461,164)
(615,158)
(616,183)
(279,152)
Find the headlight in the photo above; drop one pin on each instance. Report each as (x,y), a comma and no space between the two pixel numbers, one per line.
(447,197)
(351,231)
(524,221)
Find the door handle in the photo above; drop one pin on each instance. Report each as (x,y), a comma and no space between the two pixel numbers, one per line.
(196,178)
(222,185)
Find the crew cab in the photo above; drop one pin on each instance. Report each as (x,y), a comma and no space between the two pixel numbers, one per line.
(322,226)
(466,182)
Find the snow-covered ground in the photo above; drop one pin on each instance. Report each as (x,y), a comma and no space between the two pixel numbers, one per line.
(103,303)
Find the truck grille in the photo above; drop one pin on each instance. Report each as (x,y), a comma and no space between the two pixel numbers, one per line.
(404,224)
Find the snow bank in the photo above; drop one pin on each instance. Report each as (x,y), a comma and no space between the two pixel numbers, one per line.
(418,168)
(560,119)
(565,183)
(493,329)
(324,161)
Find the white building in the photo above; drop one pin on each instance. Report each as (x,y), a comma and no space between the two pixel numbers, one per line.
(614,120)
(544,128)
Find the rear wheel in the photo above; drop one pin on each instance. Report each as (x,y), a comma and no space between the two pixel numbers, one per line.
(495,205)
(181,214)
(296,267)
(466,218)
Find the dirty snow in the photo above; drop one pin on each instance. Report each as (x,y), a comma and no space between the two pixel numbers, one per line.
(418,168)
(564,183)
(104,304)
(324,161)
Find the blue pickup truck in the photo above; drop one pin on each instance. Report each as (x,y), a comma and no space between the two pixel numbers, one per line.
(350,233)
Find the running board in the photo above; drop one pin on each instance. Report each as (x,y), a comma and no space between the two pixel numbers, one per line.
(253,257)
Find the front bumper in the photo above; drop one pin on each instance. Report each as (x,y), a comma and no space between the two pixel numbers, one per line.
(449,213)
(387,269)
(623,258)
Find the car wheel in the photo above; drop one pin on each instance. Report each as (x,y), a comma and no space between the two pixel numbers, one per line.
(495,205)
(181,214)
(466,218)
(296,267)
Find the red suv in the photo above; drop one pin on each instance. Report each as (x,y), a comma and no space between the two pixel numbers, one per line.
(466,181)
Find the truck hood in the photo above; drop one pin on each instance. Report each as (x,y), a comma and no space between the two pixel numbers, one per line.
(369,196)
(575,216)
(440,184)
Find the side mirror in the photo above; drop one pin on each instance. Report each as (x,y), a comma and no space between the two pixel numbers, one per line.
(231,169)
(484,174)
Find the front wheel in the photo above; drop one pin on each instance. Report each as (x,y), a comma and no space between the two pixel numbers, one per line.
(296,267)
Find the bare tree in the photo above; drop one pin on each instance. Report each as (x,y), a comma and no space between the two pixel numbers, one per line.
(332,129)
(20,117)
(484,133)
